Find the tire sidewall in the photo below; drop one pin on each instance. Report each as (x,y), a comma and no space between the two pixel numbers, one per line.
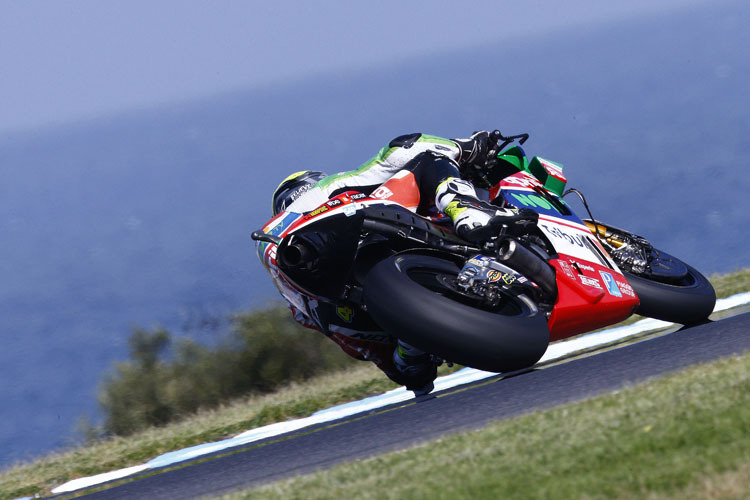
(450,329)
(677,304)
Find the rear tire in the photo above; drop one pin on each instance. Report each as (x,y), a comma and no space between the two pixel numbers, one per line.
(408,296)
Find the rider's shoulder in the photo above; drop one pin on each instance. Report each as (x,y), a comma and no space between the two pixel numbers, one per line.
(404,141)
(427,140)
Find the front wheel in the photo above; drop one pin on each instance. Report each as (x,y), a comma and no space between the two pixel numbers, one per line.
(669,289)
(687,300)
(412,296)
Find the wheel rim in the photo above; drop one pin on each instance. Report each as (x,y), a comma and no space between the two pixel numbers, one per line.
(441,282)
(668,269)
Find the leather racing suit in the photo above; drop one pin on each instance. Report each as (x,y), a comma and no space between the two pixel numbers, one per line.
(435,163)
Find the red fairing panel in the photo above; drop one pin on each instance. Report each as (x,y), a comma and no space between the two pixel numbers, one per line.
(590,296)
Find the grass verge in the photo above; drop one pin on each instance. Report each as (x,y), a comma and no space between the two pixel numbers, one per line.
(682,436)
(298,400)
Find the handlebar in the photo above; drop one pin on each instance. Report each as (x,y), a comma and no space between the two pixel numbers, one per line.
(497,136)
(267,238)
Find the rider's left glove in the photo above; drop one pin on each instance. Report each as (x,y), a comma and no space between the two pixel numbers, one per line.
(475,151)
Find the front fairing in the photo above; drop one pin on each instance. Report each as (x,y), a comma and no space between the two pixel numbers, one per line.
(592,291)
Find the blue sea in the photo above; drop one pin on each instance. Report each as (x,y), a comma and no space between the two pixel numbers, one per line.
(144,219)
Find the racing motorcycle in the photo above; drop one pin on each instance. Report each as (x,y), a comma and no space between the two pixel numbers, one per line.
(494,306)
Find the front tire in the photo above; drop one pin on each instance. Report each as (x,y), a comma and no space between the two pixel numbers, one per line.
(668,288)
(688,300)
(407,296)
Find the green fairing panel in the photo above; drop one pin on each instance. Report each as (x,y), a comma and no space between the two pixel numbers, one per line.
(515,160)
(543,170)
(514,157)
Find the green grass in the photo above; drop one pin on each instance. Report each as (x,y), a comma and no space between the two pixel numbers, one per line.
(681,435)
(730,284)
(294,401)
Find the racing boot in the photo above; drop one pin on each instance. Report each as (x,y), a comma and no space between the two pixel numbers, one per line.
(416,366)
(475,220)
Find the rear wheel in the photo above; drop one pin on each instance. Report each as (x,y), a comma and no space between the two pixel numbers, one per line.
(414,297)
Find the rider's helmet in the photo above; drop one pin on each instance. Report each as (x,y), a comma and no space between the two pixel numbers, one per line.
(292,188)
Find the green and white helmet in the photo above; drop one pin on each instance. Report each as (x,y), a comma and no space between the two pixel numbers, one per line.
(293,187)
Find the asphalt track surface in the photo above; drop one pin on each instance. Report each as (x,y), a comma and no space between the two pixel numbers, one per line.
(408,423)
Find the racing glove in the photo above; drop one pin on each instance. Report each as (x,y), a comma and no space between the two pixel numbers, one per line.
(475,150)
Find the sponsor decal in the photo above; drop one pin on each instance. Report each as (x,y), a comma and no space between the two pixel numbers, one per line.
(592,282)
(495,276)
(345,313)
(508,278)
(358,196)
(350,210)
(585,267)
(533,201)
(277,226)
(567,270)
(480,260)
(298,192)
(382,193)
(522,179)
(317,211)
(609,281)
(272,253)
(573,239)
(625,288)
(333,203)
(440,147)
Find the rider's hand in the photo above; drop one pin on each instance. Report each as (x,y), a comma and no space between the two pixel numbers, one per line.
(480,146)
(474,149)
(478,156)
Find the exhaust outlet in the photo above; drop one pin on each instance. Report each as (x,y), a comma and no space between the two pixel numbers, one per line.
(295,255)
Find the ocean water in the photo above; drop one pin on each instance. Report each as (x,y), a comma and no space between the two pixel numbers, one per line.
(144,219)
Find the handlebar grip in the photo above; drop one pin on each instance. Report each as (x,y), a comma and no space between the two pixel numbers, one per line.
(267,238)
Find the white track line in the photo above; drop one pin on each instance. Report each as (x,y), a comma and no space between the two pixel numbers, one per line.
(464,376)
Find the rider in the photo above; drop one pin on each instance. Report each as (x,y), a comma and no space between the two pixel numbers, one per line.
(436,164)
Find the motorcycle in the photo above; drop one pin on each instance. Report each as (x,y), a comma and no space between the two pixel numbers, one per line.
(494,306)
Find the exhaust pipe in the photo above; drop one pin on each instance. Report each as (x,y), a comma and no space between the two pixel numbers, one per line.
(526,262)
(296,254)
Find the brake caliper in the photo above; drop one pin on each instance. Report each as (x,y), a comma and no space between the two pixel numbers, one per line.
(632,254)
(485,277)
